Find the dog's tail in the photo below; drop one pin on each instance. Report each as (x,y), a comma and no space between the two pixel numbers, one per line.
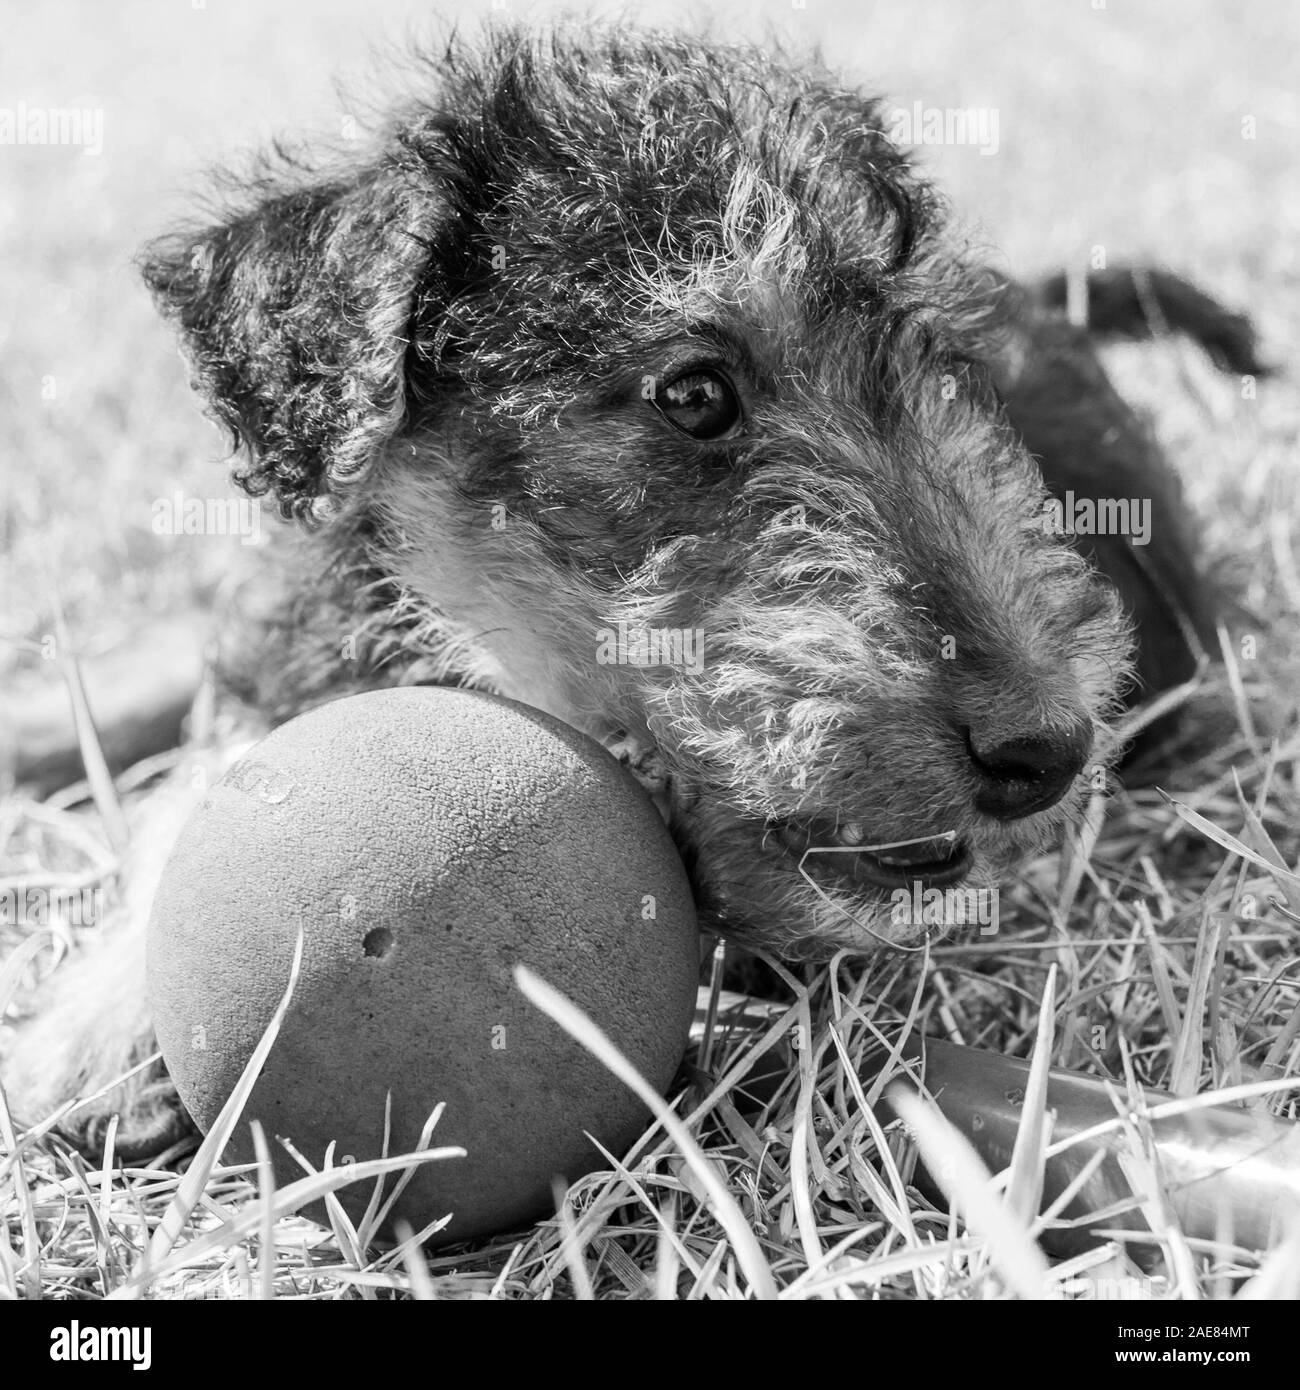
(1138,302)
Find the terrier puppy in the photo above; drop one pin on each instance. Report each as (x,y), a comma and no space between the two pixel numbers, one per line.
(642,381)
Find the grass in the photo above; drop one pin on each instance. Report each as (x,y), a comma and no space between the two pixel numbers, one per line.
(1163,947)
(1166,928)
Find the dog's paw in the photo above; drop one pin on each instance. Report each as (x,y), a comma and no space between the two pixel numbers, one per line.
(149,1115)
(42,1074)
(48,1064)
(88,1039)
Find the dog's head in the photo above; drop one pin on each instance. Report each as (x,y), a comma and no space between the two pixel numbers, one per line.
(648,366)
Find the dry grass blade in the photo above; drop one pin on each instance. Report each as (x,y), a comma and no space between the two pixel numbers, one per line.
(570,1245)
(29,1270)
(1149,711)
(1207,1100)
(717,964)
(1077,854)
(1189,1047)
(800,1140)
(1279,1276)
(893,1204)
(664,1216)
(265,1186)
(1160,972)
(1284,563)
(1285,877)
(883,1268)
(368,1216)
(783,1022)
(1140,1164)
(102,789)
(1071,1189)
(1264,843)
(194,1183)
(724,1205)
(285,1201)
(1024,1192)
(11,973)
(374,1219)
(1274,1063)
(952,1161)
(417,1271)
(1240,702)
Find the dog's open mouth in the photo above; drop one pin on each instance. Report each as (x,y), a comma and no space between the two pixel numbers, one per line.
(840,852)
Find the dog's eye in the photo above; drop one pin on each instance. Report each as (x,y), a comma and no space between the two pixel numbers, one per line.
(702,404)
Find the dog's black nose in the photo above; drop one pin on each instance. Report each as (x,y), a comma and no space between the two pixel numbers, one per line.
(1022,775)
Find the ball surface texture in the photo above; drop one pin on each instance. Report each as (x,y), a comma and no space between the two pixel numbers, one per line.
(427,841)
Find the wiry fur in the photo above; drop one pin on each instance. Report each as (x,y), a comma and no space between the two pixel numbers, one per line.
(437,356)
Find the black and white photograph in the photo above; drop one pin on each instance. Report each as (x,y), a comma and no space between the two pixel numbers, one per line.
(650,653)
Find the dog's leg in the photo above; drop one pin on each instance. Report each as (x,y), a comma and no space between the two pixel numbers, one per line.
(1133,302)
(89,1022)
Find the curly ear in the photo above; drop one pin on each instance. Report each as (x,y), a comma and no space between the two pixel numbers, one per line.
(295,316)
